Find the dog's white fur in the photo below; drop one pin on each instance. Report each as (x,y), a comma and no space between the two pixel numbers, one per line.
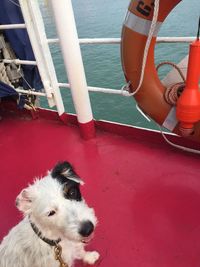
(23,248)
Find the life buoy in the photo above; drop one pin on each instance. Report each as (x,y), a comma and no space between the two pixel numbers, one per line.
(150,97)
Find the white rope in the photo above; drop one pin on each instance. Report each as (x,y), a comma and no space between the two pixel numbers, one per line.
(187,149)
(22,76)
(146,50)
(143,114)
(9,54)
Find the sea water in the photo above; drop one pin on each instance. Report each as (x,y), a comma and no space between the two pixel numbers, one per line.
(104,19)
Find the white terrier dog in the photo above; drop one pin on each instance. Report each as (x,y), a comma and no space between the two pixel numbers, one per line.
(57,223)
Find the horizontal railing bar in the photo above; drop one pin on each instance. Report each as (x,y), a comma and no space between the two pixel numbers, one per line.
(100,41)
(175,39)
(20,62)
(12,26)
(91,40)
(99,89)
(104,41)
(90,88)
(29,92)
(118,40)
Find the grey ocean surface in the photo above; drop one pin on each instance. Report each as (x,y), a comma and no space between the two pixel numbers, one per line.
(104,19)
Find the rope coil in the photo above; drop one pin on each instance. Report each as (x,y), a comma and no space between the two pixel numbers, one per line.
(173,92)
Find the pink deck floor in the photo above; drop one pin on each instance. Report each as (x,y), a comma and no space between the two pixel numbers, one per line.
(146,194)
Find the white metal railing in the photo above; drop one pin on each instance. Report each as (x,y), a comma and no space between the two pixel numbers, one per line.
(36,31)
(95,41)
(12,26)
(118,40)
(99,89)
(40,45)
(20,62)
(30,92)
(175,39)
(99,41)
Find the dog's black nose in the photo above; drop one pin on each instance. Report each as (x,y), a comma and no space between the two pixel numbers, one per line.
(86,228)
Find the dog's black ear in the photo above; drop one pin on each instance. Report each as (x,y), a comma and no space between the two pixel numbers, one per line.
(64,170)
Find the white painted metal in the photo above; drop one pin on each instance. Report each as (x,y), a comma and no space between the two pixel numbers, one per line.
(91,40)
(99,89)
(12,26)
(29,92)
(19,62)
(118,40)
(69,43)
(37,35)
(71,52)
(175,39)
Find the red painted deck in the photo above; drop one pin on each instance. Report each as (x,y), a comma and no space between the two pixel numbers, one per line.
(145,193)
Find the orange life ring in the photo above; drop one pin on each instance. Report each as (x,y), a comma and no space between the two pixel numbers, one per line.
(150,97)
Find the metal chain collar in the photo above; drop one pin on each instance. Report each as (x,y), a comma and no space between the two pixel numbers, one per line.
(58,255)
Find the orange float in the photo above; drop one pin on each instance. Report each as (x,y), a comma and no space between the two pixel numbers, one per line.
(188,104)
(150,96)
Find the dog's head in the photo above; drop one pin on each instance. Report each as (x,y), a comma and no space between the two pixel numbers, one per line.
(55,204)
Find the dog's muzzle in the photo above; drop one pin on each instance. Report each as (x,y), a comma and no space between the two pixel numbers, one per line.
(86,228)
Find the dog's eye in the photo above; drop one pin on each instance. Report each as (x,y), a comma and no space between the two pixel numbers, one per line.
(74,194)
(51,213)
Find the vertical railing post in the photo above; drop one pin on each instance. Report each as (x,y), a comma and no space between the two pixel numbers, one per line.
(36,32)
(69,43)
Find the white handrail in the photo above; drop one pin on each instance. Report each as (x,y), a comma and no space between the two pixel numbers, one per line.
(30,92)
(12,26)
(95,41)
(20,62)
(67,85)
(98,89)
(118,40)
(103,41)
(175,39)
